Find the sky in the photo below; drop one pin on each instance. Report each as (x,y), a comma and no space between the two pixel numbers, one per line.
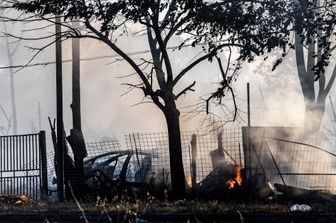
(276,97)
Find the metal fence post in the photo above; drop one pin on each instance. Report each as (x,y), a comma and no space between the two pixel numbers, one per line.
(43,164)
(193,160)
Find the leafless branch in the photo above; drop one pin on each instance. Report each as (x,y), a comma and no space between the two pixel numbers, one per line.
(37,29)
(127,75)
(131,88)
(27,38)
(199,60)
(35,55)
(189,88)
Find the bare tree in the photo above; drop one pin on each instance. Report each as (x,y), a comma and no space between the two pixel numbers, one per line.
(5,130)
(11,48)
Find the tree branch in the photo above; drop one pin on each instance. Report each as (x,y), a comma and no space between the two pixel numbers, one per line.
(171,5)
(305,81)
(156,58)
(147,87)
(165,55)
(330,82)
(174,29)
(207,56)
(189,88)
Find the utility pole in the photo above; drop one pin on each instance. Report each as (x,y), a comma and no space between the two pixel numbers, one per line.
(76,138)
(59,107)
(75,106)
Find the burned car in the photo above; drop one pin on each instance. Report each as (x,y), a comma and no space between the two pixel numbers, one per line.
(114,171)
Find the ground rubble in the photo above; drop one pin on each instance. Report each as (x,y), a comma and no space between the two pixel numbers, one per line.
(153,210)
(10,204)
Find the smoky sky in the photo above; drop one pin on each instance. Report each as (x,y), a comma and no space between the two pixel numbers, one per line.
(276,97)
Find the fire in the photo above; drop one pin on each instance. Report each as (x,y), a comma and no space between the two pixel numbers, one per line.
(237,180)
(189,181)
(231,183)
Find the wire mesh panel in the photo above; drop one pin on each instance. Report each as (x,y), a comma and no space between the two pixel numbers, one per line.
(285,157)
(209,144)
(23,165)
(304,164)
(98,148)
(158,145)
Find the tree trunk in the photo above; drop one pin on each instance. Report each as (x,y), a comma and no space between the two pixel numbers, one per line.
(314,108)
(172,115)
(12,83)
(314,111)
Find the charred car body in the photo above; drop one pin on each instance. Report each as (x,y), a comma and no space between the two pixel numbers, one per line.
(114,171)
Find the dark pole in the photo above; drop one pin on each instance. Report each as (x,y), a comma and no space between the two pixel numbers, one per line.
(248,131)
(43,164)
(76,138)
(248,106)
(193,160)
(59,107)
(76,111)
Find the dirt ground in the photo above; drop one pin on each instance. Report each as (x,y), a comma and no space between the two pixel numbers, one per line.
(14,204)
(23,209)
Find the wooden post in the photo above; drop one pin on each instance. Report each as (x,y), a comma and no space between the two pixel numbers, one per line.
(59,108)
(43,165)
(193,159)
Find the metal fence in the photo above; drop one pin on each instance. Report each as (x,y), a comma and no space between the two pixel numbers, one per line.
(274,151)
(23,168)
(285,157)
(157,144)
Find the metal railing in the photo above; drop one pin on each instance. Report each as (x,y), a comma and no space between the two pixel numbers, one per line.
(23,166)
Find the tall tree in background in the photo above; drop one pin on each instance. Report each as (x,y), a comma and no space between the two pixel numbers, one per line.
(314,44)
(11,49)
(252,27)
(10,55)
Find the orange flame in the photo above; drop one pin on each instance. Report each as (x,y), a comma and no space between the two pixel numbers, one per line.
(231,183)
(238,178)
(189,181)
